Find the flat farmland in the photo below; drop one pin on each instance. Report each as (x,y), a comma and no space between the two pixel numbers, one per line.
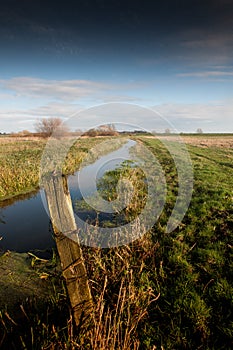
(162,291)
(222,141)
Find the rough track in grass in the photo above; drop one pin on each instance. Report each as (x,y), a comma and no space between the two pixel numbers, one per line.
(188,272)
(202,140)
(220,141)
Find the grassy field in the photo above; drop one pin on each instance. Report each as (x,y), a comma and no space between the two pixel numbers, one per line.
(164,291)
(20,162)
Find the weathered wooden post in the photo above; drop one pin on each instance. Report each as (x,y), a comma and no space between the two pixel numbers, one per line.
(72,263)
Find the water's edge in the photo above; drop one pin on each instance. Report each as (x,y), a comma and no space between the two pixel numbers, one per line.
(24,223)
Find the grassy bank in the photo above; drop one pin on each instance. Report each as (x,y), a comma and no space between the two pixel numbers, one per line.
(164,291)
(20,162)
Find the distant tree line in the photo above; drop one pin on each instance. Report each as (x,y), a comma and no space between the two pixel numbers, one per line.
(102,130)
(56,127)
(45,127)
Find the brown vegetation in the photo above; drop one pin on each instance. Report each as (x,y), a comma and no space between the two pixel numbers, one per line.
(102,130)
(201,140)
(49,126)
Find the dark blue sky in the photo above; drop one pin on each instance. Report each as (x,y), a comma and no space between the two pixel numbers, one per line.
(59,55)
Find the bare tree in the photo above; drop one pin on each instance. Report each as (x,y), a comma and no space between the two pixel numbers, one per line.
(199,131)
(49,126)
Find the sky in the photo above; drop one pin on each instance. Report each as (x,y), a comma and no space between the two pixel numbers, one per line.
(174,57)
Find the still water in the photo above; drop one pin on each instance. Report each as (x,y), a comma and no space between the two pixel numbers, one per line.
(24,223)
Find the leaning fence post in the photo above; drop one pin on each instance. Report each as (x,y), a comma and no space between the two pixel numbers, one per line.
(70,252)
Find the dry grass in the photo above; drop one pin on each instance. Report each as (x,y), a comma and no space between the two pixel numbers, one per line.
(20,159)
(120,308)
(201,140)
(117,328)
(165,291)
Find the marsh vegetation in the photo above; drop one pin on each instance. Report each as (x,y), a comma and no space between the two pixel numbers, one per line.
(163,291)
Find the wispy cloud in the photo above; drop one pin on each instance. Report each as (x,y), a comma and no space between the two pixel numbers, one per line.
(55,109)
(211,117)
(206,74)
(182,117)
(121,98)
(56,89)
(202,47)
(19,119)
(197,111)
(68,90)
(35,98)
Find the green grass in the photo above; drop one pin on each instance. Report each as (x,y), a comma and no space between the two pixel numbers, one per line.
(20,163)
(175,288)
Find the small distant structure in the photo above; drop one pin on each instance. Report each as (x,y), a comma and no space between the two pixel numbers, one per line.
(199,131)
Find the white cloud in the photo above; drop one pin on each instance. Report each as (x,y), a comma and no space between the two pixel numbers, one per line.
(206,74)
(18,119)
(215,117)
(68,90)
(56,89)
(121,98)
(55,109)
(37,98)
(197,111)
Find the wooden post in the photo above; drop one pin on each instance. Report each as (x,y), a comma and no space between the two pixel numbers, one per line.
(72,263)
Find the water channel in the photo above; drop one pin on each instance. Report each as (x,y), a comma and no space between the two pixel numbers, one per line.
(24,223)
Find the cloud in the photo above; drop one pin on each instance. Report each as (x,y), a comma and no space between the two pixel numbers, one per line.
(18,119)
(121,98)
(5,96)
(207,41)
(206,74)
(216,117)
(15,119)
(205,45)
(197,111)
(68,90)
(56,89)
(55,109)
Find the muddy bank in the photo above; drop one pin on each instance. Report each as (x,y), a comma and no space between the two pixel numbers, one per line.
(25,276)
